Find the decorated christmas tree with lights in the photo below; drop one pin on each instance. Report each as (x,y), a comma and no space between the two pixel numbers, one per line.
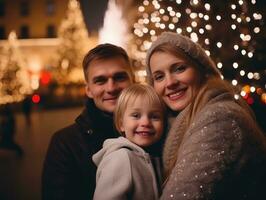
(14,78)
(231,32)
(73,45)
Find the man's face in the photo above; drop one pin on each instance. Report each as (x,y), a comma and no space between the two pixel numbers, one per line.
(106,79)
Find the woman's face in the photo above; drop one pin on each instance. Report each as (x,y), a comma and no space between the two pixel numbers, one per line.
(174,78)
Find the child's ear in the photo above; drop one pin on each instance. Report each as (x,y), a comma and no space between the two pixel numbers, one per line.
(121,127)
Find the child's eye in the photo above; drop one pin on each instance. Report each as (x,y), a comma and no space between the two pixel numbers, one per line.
(155,116)
(135,115)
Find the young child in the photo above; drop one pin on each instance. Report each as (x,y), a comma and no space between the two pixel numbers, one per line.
(125,168)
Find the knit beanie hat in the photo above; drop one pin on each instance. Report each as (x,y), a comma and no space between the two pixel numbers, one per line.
(190,48)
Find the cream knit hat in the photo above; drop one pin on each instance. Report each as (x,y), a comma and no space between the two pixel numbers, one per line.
(192,49)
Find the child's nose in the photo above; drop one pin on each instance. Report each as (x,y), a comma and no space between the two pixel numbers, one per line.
(145,121)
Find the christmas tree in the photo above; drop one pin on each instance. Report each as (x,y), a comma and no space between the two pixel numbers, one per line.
(14,78)
(73,37)
(230,31)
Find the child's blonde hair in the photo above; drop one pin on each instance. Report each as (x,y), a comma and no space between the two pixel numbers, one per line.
(130,94)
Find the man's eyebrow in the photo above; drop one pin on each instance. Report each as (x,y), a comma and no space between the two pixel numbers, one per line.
(98,78)
(121,74)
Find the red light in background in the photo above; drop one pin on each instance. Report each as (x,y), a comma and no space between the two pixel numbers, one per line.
(246,96)
(36,98)
(45,78)
(250,100)
(263,98)
(259,91)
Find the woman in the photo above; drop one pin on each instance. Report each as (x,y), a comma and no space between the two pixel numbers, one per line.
(214,149)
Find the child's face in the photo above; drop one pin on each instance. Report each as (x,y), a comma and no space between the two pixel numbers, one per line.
(142,122)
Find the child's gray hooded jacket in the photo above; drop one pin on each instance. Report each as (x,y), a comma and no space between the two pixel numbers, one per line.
(125,171)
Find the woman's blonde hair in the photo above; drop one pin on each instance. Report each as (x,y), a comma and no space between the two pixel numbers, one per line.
(129,95)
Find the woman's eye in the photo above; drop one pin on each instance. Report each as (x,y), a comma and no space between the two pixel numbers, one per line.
(179,68)
(158,77)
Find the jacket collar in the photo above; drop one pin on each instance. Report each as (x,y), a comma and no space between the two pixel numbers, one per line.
(93,119)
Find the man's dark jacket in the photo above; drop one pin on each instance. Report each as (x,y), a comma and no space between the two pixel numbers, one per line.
(69,172)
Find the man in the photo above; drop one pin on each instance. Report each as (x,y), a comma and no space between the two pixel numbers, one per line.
(69,172)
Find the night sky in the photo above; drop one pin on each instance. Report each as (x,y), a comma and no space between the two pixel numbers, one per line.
(93,11)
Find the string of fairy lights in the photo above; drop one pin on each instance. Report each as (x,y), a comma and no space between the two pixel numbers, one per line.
(227,31)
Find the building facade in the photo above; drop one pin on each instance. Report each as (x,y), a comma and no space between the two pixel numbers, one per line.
(36,23)
(31,18)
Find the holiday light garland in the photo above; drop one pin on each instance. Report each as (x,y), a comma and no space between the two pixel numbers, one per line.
(228,31)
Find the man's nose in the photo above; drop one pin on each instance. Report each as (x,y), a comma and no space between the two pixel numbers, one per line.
(111,86)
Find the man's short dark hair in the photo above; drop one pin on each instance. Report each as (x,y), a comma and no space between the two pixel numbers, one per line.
(104,51)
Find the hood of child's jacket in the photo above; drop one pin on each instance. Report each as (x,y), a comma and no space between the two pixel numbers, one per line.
(111,145)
